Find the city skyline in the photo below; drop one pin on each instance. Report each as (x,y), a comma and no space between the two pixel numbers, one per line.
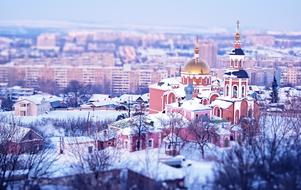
(257,15)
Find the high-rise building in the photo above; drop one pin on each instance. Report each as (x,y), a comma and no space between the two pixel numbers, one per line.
(208,52)
(47,41)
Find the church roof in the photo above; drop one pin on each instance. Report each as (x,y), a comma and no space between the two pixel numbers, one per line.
(198,67)
(238,73)
(237,51)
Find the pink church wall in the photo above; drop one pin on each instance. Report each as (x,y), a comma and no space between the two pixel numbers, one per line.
(155,101)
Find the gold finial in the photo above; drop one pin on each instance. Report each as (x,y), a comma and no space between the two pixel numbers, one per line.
(237,36)
(196,49)
(196,45)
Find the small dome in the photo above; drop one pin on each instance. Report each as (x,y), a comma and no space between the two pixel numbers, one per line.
(189,89)
(197,68)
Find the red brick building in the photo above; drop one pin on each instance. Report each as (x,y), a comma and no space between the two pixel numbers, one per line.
(22,140)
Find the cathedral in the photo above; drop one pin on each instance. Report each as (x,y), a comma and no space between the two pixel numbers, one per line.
(197,93)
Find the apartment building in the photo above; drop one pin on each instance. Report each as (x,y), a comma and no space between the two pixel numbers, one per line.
(290,75)
(116,80)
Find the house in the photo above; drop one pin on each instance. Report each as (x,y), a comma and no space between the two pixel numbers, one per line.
(57,104)
(172,144)
(17,91)
(22,140)
(106,138)
(55,101)
(132,98)
(99,97)
(32,105)
(136,133)
(100,105)
(81,144)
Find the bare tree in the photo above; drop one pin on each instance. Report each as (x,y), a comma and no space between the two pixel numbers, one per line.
(269,161)
(23,170)
(36,167)
(173,131)
(8,162)
(139,125)
(203,132)
(93,168)
(74,87)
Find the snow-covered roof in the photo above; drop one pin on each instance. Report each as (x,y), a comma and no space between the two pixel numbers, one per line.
(127,97)
(221,103)
(179,92)
(104,103)
(145,163)
(205,94)
(223,131)
(191,105)
(15,133)
(19,133)
(168,84)
(39,98)
(53,98)
(36,99)
(152,122)
(160,120)
(72,140)
(145,97)
(106,134)
(152,163)
(131,125)
(20,88)
(256,88)
(99,97)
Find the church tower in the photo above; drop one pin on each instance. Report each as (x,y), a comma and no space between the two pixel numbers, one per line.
(237,55)
(236,78)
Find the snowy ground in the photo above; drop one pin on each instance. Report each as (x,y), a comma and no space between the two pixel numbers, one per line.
(97,115)
(147,162)
(150,163)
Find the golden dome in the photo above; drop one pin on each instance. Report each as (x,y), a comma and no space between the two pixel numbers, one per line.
(196,68)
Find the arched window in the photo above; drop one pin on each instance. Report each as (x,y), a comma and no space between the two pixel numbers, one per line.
(235,91)
(243,91)
(219,112)
(239,63)
(227,90)
(236,117)
(231,63)
(171,98)
(216,111)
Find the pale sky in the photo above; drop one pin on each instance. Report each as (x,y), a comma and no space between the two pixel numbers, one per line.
(253,14)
